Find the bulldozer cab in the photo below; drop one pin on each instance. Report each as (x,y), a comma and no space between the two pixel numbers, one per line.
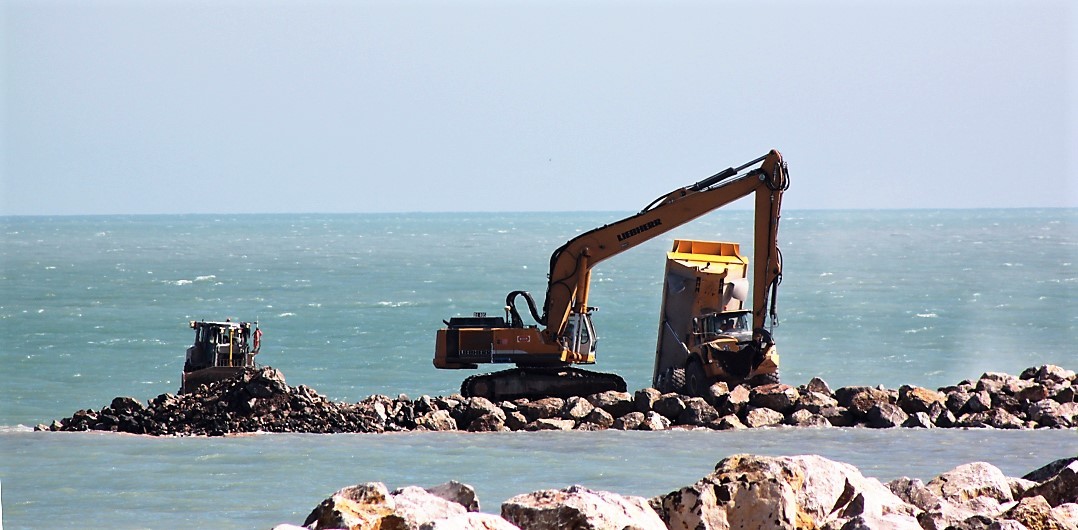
(222,344)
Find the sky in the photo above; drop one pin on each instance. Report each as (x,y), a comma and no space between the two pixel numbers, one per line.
(125,107)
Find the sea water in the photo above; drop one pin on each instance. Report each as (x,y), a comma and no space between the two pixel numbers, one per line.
(97,307)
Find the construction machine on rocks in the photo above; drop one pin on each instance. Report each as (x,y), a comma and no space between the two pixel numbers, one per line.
(563,335)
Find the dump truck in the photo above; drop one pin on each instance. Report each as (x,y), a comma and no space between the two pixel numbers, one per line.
(706,334)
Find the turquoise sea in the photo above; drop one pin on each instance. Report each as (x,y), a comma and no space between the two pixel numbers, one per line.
(97,307)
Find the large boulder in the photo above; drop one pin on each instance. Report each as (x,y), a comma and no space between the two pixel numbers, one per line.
(616,403)
(550,407)
(470,521)
(576,409)
(370,506)
(669,405)
(439,420)
(860,399)
(359,507)
(1059,489)
(747,491)
(417,506)
(763,417)
(580,508)
(914,399)
(968,481)
(697,412)
(1036,514)
(457,492)
(778,397)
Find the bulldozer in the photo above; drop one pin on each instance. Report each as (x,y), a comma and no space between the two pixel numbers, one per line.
(221,350)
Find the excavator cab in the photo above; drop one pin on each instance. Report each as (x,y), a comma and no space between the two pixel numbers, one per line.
(580,338)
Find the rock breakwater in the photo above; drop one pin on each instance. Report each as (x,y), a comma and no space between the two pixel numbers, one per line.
(261,401)
(744,491)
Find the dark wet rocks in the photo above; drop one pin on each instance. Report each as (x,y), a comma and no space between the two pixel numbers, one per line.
(744,491)
(261,401)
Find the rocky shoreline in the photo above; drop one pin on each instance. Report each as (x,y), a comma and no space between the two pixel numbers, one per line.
(261,401)
(744,491)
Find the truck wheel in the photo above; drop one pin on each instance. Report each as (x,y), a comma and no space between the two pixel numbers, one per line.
(671,380)
(696,381)
(764,379)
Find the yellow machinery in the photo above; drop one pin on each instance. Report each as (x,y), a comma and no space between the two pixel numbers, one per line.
(222,350)
(705,332)
(563,334)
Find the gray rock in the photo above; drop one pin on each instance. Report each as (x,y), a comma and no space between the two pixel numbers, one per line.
(1049,470)
(553,424)
(644,399)
(763,417)
(515,421)
(716,393)
(476,407)
(439,420)
(580,508)
(457,492)
(735,401)
(804,418)
(360,506)
(470,521)
(918,420)
(653,421)
(616,403)
(417,507)
(968,481)
(885,415)
(550,407)
(729,422)
(492,421)
(860,399)
(1046,413)
(600,418)
(1035,512)
(697,412)
(819,386)
(815,402)
(913,399)
(748,491)
(778,397)
(838,416)
(629,422)
(1059,489)
(669,405)
(576,409)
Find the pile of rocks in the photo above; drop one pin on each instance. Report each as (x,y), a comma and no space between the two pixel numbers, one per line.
(257,401)
(1042,397)
(744,491)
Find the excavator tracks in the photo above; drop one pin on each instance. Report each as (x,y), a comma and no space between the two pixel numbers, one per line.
(540,382)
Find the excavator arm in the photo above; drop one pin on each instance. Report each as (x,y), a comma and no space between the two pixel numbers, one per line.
(571,264)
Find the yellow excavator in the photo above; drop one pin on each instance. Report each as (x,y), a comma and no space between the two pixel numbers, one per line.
(544,353)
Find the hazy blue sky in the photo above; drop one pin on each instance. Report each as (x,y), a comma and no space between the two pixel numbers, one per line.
(181,106)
